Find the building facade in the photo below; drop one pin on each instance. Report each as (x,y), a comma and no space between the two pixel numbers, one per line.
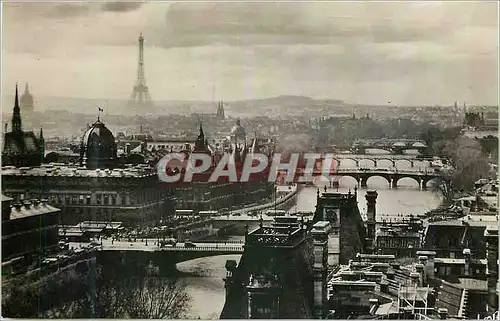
(28,228)
(101,188)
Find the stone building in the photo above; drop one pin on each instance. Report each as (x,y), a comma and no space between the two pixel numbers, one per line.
(21,148)
(282,274)
(201,194)
(97,189)
(450,237)
(348,230)
(28,228)
(401,238)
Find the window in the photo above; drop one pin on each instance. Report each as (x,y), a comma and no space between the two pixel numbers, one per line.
(113,200)
(98,198)
(88,200)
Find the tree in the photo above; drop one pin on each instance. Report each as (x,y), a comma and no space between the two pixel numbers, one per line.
(97,295)
(468,164)
(154,297)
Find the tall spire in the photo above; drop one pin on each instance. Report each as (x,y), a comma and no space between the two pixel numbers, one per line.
(200,141)
(16,117)
(26,89)
(140,96)
(41,144)
(201,135)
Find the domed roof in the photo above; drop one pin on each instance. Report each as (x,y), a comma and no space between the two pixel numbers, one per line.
(98,147)
(238,131)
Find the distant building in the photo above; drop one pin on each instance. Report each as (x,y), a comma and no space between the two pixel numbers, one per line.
(221,115)
(238,133)
(27,101)
(200,194)
(21,148)
(30,227)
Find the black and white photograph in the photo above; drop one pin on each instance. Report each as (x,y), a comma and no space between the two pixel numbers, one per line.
(207,160)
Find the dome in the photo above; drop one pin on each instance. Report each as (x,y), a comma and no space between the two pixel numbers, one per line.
(98,147)
(238,131)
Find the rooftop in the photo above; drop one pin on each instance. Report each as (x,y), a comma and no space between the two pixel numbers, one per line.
(474,220)
(446,260)
(61,170)
(29,208)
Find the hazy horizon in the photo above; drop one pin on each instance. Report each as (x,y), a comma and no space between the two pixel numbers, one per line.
(409,54)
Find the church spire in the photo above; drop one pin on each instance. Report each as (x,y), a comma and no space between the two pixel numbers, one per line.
(16,117)
(200,141)
(41,142)
(26,89)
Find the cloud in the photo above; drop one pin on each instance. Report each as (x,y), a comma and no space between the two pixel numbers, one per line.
(121,6)
(64,10)
(189,24)
(358,51)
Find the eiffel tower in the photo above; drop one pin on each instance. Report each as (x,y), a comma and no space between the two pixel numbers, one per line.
(140,96)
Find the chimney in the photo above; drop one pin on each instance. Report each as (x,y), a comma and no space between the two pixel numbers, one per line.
(467,256)
(127,149)
(27,204)
(422,260)
(414,278)
(443,313)
(429,267)
(420,270)
(17,206)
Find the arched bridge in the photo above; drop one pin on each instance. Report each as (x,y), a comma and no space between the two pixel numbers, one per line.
(393,159)
(392,176)
(141,252)
(396,145)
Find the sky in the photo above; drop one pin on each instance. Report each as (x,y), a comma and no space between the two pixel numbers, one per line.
(412,53)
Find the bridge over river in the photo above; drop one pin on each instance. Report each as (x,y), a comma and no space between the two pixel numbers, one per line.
(392,175)
(393,159)
(140,252)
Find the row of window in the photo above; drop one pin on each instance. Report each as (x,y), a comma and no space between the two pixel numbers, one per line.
(95,199)
(398,242)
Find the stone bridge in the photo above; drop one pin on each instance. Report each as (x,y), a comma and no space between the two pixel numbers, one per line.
(382,142)
(139,254)
(392,176)
(393,159)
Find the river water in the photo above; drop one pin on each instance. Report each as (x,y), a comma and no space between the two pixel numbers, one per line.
(204,276)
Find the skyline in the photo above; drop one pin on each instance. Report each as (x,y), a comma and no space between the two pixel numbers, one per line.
(425,53)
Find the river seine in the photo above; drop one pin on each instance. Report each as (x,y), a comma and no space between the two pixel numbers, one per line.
(204,276)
